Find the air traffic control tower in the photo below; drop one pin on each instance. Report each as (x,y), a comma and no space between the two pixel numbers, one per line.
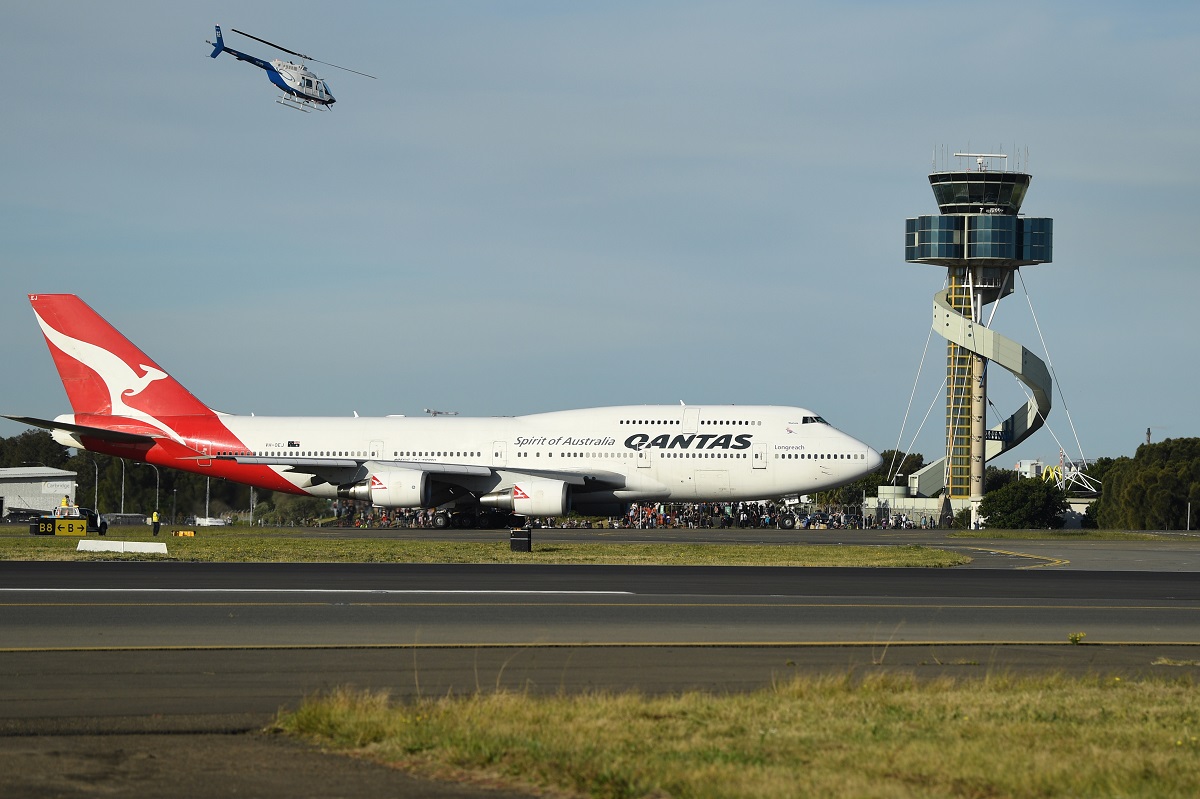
(982,239)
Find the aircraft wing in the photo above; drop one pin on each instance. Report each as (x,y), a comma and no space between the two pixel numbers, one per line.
(315,465)
(84,430)
(444,471)
(591,479)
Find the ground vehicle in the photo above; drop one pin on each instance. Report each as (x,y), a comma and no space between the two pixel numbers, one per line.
(126,519)
(71,520)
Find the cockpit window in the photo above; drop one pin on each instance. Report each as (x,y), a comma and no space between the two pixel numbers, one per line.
(813,420)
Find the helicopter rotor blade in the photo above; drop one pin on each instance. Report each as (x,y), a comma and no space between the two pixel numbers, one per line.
(272,44)
(302,55)
(347,69)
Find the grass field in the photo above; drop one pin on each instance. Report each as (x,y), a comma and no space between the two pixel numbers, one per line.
(225,544)
(878,736)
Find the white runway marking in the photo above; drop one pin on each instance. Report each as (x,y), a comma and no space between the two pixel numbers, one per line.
(310,591)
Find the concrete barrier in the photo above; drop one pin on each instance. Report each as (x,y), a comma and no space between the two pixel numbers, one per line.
(152,547)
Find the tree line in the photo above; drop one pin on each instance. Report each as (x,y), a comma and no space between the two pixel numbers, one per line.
(1150,491)
(101,480)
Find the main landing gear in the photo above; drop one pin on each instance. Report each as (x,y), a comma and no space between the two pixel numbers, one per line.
(469,520)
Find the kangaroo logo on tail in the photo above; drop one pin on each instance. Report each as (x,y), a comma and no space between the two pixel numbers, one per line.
(111,383)
(105,374)
(119,378)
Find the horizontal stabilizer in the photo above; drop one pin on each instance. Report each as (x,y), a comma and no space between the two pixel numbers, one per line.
(83,430)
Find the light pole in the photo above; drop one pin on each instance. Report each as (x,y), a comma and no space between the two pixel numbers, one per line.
(174,499)
(122,485)
(95,484)
(156,482)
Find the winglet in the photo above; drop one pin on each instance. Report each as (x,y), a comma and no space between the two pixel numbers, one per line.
(219,44)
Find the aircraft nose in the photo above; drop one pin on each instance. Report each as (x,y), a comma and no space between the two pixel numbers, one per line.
(874,460)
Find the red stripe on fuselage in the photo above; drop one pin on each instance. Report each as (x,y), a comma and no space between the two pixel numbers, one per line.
(173,455)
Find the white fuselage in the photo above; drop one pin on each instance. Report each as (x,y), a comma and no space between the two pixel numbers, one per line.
(667,453)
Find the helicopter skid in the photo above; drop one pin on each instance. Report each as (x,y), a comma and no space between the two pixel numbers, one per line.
(300,105)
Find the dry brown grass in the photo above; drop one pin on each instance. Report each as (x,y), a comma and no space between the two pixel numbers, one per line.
(883,736)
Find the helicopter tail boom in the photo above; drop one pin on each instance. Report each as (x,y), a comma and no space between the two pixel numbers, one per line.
(219,44)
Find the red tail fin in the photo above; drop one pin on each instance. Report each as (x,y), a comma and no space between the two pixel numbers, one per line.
(102,371)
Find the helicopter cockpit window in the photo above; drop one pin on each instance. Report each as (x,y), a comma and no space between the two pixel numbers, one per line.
(307,83)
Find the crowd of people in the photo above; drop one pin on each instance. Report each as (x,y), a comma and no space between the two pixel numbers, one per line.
(901,521)
(643,516)
(650,516)
(700,514)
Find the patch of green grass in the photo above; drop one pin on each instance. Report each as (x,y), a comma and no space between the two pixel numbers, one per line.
(881,736)
(275,546)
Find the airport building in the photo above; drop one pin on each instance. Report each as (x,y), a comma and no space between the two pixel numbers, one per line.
(980,238)
(27,489)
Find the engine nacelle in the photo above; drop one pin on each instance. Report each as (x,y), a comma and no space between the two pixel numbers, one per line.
(533,497)
(393,488)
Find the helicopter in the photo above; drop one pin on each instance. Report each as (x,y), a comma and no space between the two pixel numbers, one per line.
(303,89)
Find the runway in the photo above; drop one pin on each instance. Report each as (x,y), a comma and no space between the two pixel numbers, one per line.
(202,646)
(199,605)
(114,654)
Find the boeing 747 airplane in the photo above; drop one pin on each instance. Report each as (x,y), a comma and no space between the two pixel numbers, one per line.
(595,460)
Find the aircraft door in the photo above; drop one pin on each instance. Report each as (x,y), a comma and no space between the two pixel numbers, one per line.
(498,456)
(691,420)
(760,456)
(643,458)
(376,449)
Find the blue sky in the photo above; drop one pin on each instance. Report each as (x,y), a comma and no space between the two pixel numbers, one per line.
(545,205)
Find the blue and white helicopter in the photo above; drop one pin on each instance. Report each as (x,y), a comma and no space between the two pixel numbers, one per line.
(302,88)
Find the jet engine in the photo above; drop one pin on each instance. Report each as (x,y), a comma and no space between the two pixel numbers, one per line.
(392,488)
(534,497)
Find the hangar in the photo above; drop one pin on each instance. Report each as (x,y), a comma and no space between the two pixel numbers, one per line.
(30,490)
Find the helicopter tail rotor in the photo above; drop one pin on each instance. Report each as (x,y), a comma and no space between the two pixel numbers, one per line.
(219,44)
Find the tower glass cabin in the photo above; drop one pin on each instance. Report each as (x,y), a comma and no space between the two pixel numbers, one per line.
(980,237)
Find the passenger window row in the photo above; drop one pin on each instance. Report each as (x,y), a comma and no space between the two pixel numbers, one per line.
(818,456)
(726,423)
